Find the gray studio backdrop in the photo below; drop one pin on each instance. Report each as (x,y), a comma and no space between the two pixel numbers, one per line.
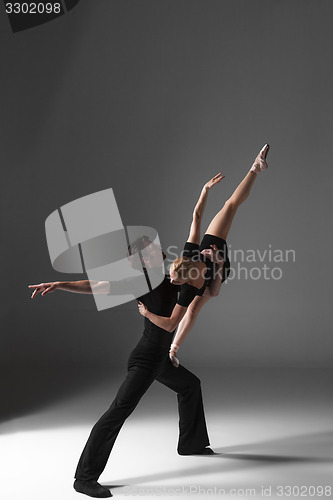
(153,98)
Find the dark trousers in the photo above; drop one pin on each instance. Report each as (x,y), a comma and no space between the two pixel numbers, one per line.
(147,362)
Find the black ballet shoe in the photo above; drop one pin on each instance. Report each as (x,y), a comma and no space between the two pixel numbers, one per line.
(203,451)
(92,489)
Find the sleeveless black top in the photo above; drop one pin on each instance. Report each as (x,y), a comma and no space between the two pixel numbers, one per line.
(188,292)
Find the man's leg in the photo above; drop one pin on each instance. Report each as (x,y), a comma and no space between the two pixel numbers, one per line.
(104,433)
(193,436)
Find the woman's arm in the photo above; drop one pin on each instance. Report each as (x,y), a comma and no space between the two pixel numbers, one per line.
(215,283)
(167,323)
(189,319)
(187,323)
(213,288)
(194,236)
(84,286)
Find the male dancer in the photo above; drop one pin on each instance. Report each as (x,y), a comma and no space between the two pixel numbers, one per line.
(148,361)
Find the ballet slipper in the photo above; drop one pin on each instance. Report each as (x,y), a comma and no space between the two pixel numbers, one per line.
(260,162)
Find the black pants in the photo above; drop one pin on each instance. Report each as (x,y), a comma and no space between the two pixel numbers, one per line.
(147,362)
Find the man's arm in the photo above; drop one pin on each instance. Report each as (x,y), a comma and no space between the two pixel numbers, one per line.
(84,286)
(167,323)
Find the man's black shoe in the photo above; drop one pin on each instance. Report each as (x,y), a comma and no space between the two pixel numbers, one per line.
(203,451)
(92,489)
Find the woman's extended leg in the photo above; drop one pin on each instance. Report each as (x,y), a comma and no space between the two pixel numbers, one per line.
(222,221)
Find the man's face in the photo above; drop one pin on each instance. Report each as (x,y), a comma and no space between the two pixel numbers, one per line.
(152,256)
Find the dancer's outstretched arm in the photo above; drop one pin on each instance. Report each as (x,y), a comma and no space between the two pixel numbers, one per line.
(194,236)
(212,290)
(84,286)
(186,325)
(179,311)
(188,321)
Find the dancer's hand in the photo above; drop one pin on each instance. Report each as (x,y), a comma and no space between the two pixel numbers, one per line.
(173,358)
(43,288)
(215,180)
(142,309)
(213,254)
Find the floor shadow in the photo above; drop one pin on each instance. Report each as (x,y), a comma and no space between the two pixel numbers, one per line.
(306,444)
(27,393)
(272,458)
(246,460)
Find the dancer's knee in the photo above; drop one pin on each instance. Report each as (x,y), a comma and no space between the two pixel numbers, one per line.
(195,382)
(231,204)
(190,386)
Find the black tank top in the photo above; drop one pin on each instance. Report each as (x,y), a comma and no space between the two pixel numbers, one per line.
(188,292)
(160,301)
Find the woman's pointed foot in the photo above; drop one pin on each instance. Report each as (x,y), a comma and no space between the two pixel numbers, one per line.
(260,162)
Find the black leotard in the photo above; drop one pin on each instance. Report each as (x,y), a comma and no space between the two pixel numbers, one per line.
(192,250)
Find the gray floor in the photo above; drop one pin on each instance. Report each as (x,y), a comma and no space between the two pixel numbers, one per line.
(272,428)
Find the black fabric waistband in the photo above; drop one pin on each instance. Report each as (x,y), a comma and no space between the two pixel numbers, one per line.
(210,239)
(159,338)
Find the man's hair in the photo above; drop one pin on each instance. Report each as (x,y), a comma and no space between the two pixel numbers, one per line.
(139,245)
(133,252)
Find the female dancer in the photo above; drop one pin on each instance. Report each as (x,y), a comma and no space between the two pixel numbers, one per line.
(192,271)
